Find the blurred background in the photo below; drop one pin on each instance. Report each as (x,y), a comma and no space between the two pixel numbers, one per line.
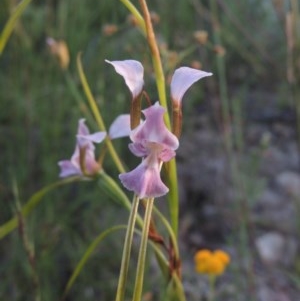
(238,162)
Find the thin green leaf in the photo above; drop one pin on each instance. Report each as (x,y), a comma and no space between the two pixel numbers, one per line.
(35,199)
(94,245)
(10,24)
(88,254)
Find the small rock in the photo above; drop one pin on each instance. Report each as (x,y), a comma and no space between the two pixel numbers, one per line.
(270,199)
(289,181)
(270,247)
(266,294)
(274,248)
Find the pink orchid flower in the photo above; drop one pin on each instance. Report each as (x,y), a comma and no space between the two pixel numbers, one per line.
(155,144)
(83,160)
(152,140)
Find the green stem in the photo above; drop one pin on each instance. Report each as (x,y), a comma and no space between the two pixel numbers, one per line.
(136,14)
(127,250)
(10,24)
(179,288)
(97,115)
(113,189)
(138,288)
(173,200)
(170,231)
(109,185)
(212,282)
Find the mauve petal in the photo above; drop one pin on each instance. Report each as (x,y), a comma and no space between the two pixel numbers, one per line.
(138,149)
(120,127)
(144,181)
(133,74)
(91,165)
(153,129)
(182,79)
(67,169)
(166,154)
(84,140)
(82,128)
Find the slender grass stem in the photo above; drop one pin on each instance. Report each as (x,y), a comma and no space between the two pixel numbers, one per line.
(127,250)
(170,231)
(97,115)
(173,200)
(139,279)
(29,249)
(111,187)
(136,14)
(179,288)
(10,25)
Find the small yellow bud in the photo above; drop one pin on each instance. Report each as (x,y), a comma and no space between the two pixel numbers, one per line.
(196,64)
(109,29)
(155,18)
(132,20)
(201,36)
(60,50)
(220,50)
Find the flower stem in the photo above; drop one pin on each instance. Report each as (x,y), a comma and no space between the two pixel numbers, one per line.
(158,69)
(142,253)
(160,82)
(173,201)
(212,282)
(170,231)
(127,250)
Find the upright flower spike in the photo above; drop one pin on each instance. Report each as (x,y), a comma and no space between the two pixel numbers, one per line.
(155,144)
(83,159)
(133,73)
(182,79)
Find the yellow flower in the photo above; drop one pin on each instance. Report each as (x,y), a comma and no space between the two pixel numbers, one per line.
(211,263)
(222,256)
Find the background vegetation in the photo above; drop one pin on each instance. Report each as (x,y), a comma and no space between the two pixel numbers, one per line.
(247,50)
